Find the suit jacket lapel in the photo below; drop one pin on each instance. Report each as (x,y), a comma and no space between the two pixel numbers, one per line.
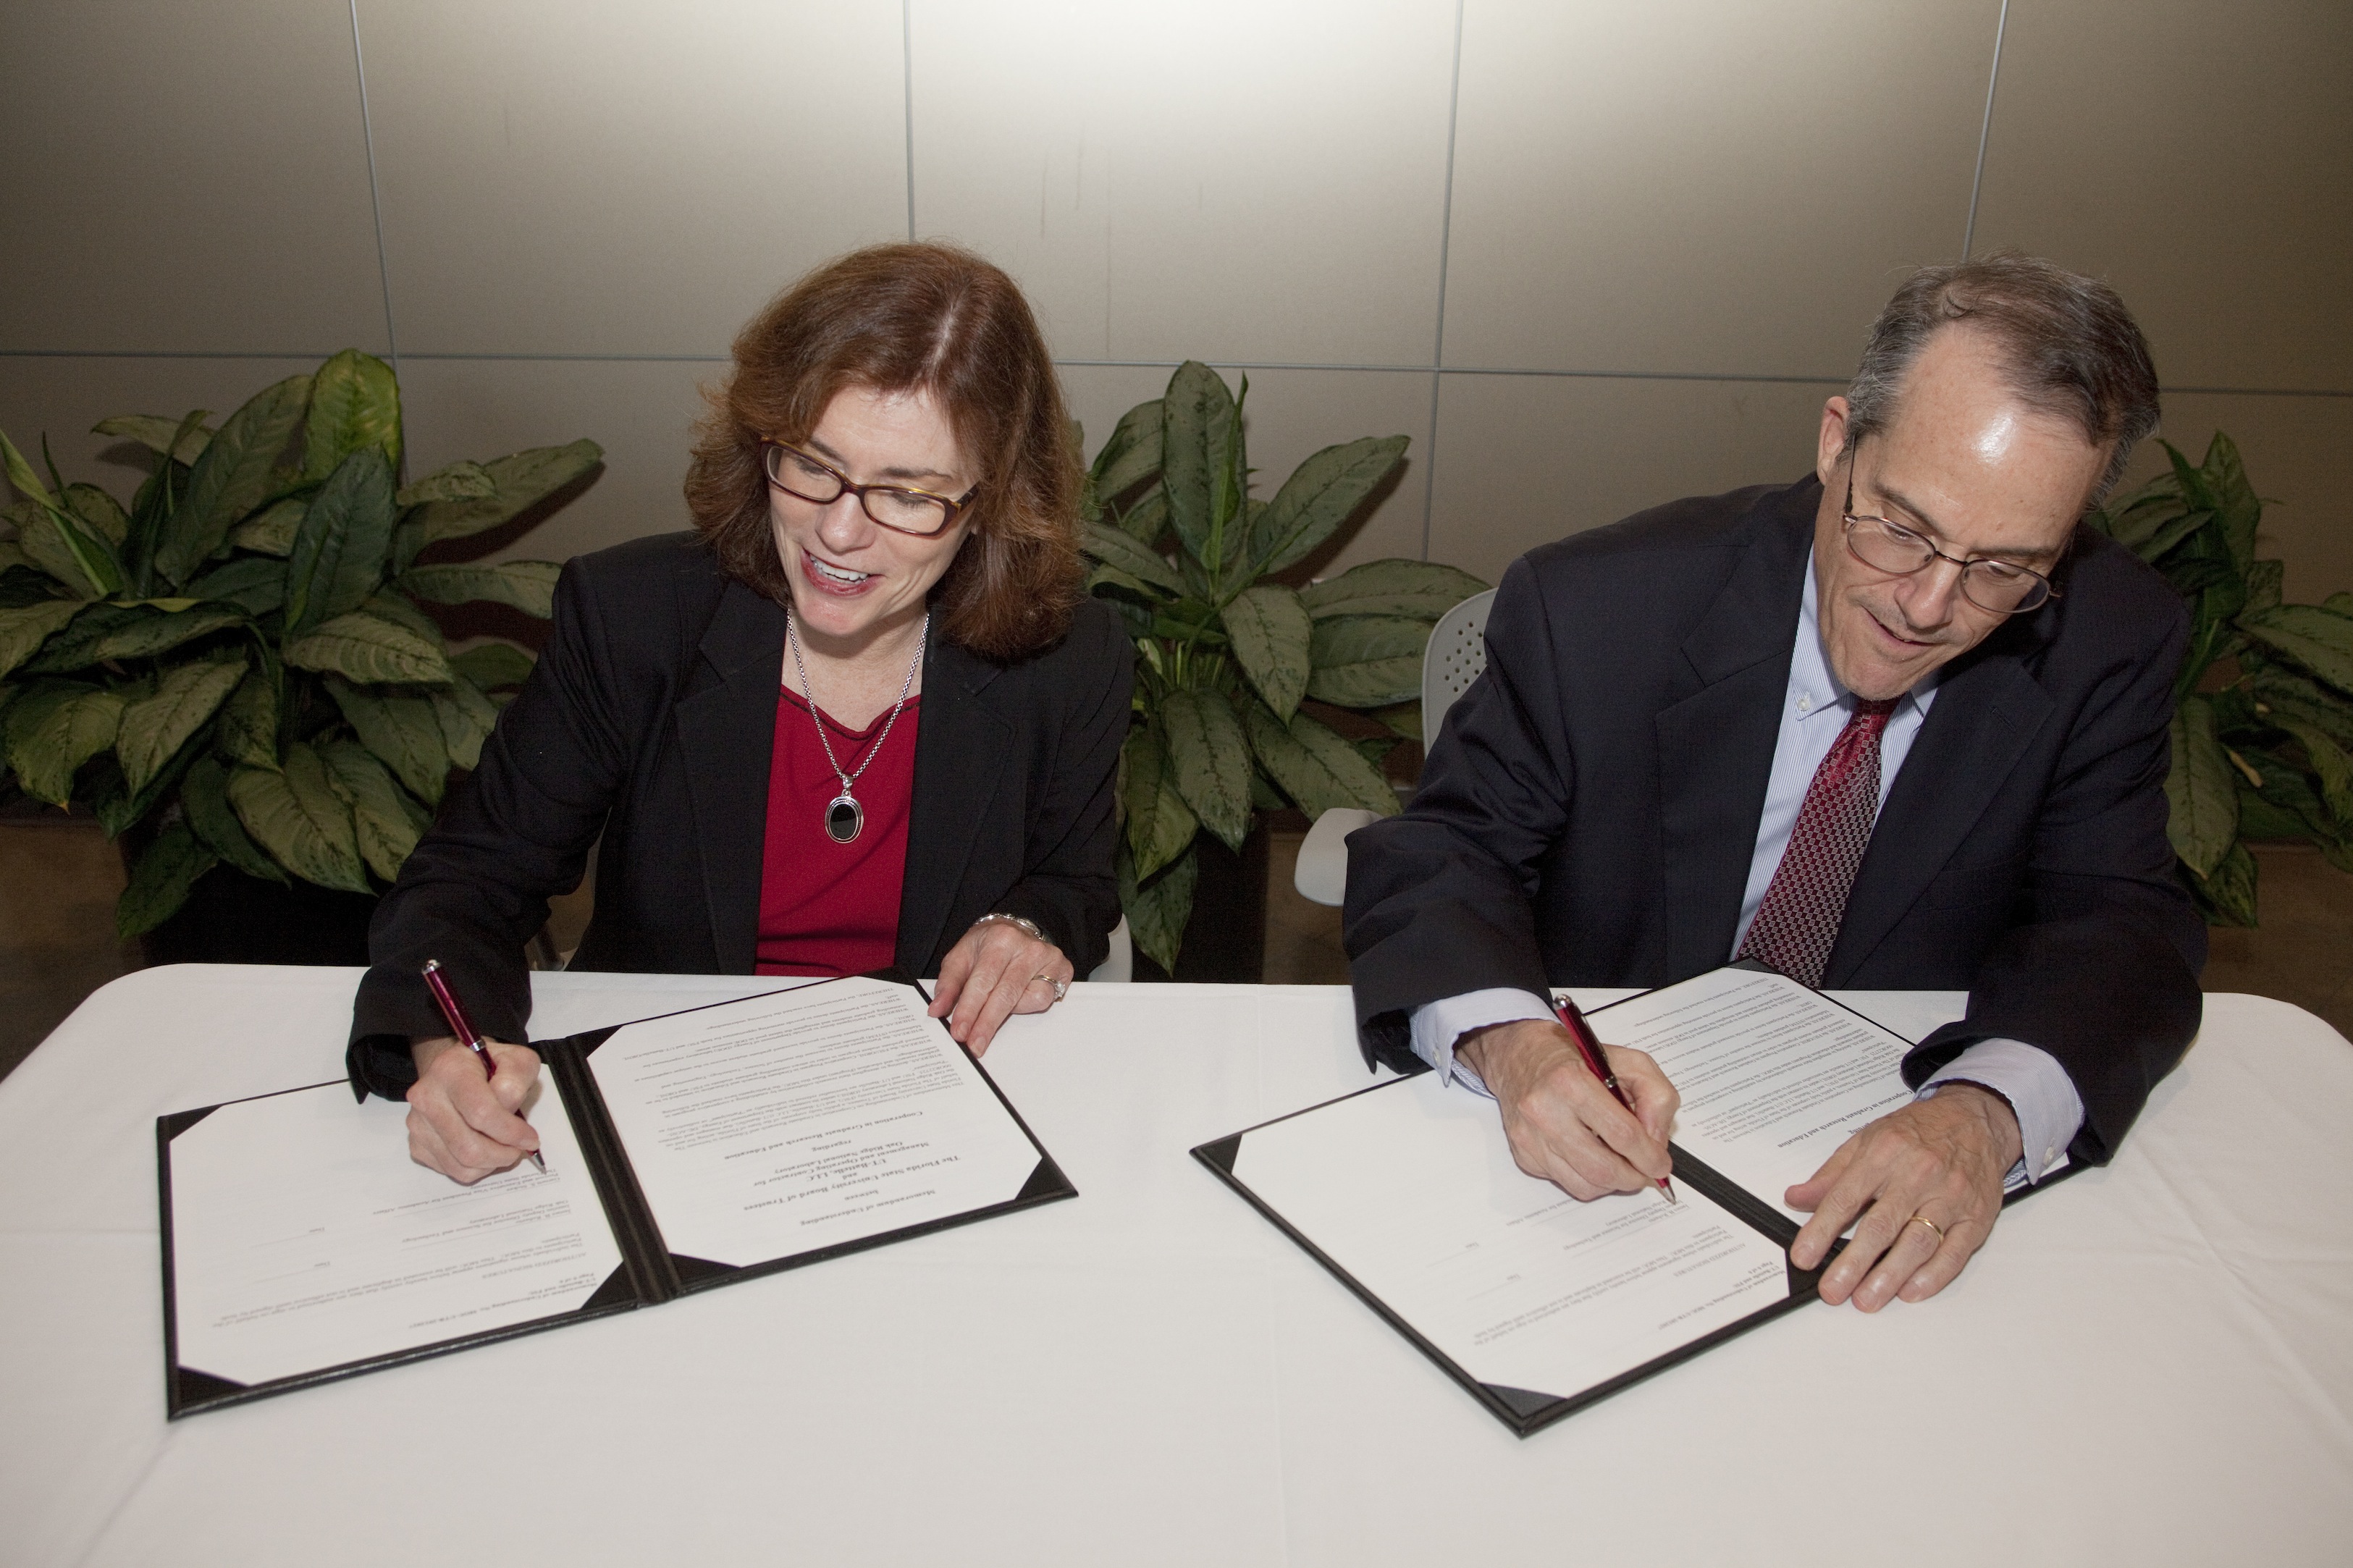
(960,757)
(1715,746)
(727,731)
(1988,708)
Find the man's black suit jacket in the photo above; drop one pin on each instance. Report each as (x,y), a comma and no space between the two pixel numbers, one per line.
(650,719)
(1589,813)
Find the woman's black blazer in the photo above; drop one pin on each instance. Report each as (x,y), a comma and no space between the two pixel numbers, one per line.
(647,730)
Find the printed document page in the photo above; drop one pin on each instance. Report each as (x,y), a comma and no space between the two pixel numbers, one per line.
(780,1124)
(303,1236)
(1773,1077)
(1411,1190)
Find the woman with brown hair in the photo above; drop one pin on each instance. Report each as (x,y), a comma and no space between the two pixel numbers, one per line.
(862,716)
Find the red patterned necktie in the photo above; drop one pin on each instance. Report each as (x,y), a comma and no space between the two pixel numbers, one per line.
(1797,922)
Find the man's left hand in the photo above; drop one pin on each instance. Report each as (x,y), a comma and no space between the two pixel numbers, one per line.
(1926,1181)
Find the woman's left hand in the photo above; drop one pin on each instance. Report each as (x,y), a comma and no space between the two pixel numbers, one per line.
(996,971)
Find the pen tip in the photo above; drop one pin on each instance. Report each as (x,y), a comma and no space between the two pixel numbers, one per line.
(1671,1194)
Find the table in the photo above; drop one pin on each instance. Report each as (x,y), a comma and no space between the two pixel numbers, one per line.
(2150,1363)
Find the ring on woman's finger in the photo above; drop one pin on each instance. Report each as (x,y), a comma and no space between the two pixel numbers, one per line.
(1932,1225)
(1061,987)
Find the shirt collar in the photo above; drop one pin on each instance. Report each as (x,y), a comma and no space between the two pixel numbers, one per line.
(1813,689)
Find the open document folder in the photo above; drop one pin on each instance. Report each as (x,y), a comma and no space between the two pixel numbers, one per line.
(1539,1304)
(684,1151)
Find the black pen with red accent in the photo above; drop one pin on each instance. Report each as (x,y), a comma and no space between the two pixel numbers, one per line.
(1588,1046)
(463,1027)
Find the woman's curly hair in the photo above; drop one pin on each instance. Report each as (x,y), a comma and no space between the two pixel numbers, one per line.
(899,319)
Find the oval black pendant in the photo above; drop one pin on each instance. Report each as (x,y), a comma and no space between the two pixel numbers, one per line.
(844,819)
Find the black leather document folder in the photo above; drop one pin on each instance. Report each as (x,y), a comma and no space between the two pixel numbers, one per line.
(1540,1305)
(684,1151)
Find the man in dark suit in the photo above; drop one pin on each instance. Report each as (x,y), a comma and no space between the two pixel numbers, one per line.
(1901,725)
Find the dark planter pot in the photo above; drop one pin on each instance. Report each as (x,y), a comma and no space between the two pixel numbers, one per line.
(1224,938)
(231,918)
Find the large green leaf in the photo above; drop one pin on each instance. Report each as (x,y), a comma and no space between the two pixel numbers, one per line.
(521,481)
(175,438)
(1209,761)
(254,583)
(490,665)
(1229,515)
(1367,661)
(60,541)
(380,818)
(160,883)
(158,631)
(70,648)
(2228,896)
(461,481)
(528,585)
(1160,826)
(97,511)
(1317,768)
(2264,581)
(2330,766)
(1158,910)
(406,732)
(1320,494)
(354,404)
(339,552)
(53,728)
(2201,789)
(271,530)
(233,477)
(362,646)
(1147,519)
(204,797)
(2319,639)
(1403,720)
(1270,630)
(466,717)
(1196,419)
(154,728)
(1423,590)
(2301,697)
(1113,548)
(2235,501)
(247,730)
(1131,455)
(298,818)
(25,629)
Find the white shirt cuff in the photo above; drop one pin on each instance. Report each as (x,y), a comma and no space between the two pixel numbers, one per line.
(2040,1092)
(1437,1026)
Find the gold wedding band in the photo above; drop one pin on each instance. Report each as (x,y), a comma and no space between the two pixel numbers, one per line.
(1932,1225)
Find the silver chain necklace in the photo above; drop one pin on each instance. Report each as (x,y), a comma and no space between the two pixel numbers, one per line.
(844,817)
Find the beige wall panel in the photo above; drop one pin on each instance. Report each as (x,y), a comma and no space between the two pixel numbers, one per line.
(638,411)
(1527,459)
(185,178)
(1226,179)
(562,178)
(63,397)
(2299,456)
(1291,415)
(2199,157)
(1710,186)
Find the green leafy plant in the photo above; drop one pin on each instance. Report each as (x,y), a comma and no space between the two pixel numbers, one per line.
(1235,659)
(238,660)
(2262,729)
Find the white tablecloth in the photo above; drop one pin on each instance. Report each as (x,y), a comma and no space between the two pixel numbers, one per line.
(2150,1363)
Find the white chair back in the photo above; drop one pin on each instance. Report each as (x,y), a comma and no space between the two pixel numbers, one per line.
(1455,656)
(1118,966)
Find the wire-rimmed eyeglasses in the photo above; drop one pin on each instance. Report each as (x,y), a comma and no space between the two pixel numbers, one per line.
(1999,587)
(900,507)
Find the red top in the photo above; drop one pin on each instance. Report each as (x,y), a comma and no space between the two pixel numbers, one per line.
(828,908)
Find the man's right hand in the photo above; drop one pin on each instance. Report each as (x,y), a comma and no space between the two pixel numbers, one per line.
(1562,1125)
(465,1125)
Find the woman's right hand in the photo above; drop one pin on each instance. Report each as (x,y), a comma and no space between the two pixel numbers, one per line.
(465,1125)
